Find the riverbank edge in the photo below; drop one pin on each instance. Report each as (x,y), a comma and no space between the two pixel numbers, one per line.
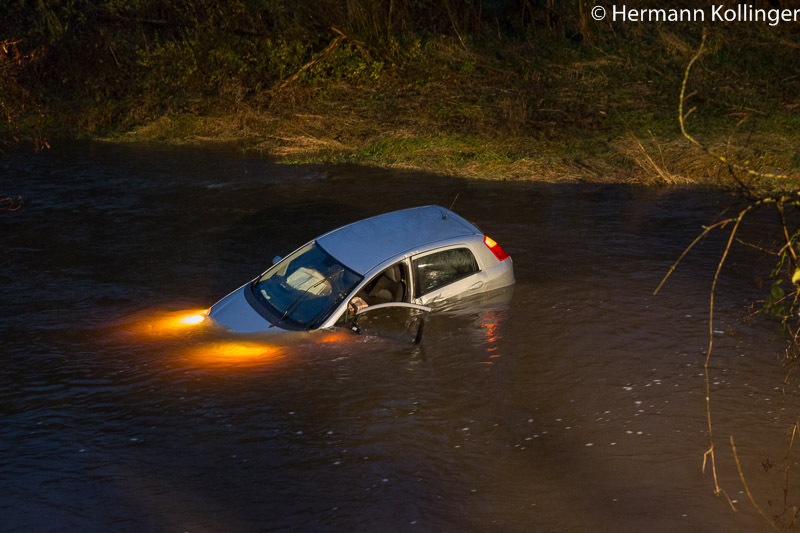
(317,139)
(521,111)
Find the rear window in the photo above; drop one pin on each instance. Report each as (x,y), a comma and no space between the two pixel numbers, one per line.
(442,268)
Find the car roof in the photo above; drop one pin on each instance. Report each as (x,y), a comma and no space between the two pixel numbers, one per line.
(365,244)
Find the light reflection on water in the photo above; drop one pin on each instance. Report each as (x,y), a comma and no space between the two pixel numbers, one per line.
(574,401)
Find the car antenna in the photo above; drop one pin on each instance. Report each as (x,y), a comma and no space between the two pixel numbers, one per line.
(444,216)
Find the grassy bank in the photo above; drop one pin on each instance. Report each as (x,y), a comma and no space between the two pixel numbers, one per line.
(548,99)
(522,111)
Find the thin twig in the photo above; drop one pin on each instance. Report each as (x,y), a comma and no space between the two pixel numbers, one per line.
(331,47)
(757,247)
(710,452)
(706,229)
(455,27)
(722,159)
(789,242)
(663,173)
(786,465)
(12,203)
(747,489)
(716,277)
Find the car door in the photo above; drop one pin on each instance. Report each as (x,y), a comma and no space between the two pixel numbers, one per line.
(444,274)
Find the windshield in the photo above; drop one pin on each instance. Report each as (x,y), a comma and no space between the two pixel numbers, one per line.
(303,288)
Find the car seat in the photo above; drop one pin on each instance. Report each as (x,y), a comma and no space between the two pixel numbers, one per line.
(389,287)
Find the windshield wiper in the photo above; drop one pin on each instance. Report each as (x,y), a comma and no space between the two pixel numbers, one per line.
(296,303)
(314,322)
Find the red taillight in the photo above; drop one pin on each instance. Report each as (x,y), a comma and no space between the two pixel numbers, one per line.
(496,249)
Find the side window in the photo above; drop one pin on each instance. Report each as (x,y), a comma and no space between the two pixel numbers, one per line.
(438,269)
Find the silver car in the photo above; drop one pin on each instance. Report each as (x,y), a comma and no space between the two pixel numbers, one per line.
(412,258)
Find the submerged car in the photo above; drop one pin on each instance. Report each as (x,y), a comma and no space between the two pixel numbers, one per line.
(412,258)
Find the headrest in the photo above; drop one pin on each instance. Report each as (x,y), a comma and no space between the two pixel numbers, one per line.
(393,273)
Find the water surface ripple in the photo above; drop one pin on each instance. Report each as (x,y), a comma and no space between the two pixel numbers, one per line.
(573,402)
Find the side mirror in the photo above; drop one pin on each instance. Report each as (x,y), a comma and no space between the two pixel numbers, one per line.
(276,259)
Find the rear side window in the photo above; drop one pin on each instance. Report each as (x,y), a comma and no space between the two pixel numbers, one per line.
(441,268)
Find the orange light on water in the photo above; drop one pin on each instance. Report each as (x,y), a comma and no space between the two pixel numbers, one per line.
(336,337)
(235,352)
(491,325)
(492,331)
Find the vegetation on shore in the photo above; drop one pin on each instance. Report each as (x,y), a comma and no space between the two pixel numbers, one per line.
(514,89)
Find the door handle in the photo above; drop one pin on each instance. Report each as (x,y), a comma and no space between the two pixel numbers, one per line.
(476,285)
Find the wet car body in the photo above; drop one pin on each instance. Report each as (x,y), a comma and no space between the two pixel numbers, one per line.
(412,258)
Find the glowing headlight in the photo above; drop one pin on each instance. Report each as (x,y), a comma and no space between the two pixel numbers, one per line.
(170,323)
(191,320)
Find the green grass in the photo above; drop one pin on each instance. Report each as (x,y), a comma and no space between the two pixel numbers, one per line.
(547,109)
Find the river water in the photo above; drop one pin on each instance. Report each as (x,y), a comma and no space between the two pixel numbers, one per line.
(574,402)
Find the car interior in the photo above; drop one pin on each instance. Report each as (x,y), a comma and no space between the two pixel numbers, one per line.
(391,285)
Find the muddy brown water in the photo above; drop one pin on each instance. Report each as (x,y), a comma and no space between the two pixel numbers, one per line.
(574,402)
